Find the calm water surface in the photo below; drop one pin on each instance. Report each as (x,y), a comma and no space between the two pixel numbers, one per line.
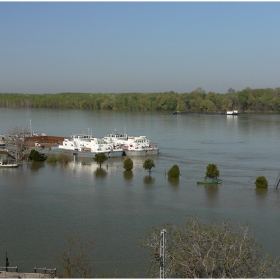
(41,203)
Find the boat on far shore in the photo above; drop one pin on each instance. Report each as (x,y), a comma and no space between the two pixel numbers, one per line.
(210,181)
(232,113)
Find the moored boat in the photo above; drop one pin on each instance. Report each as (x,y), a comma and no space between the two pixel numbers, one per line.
(132,145)
(6,164)
(84,145)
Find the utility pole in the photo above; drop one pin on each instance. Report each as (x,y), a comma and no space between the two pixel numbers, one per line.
(162,253)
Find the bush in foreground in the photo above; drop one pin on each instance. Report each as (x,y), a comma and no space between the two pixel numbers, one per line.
(197,250)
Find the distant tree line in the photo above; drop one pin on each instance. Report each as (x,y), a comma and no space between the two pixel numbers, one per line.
(247,100)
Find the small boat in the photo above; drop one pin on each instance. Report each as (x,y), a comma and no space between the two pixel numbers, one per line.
(5,164)
(210,181)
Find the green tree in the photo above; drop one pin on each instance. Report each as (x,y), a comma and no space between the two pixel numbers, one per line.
(148,164)
(100,158)
(128,164)
(212,171)
(198,250)
(261,182)
(36,156)
(174,172)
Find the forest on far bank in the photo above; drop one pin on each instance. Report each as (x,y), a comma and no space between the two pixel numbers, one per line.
(246,100)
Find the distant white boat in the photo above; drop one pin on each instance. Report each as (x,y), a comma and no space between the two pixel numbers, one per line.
(132,145)
(233,112)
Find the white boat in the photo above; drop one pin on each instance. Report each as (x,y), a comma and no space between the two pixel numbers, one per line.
(132,145)
(6,164)
(232,113)
(88,146)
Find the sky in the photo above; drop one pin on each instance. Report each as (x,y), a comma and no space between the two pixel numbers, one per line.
(119,47)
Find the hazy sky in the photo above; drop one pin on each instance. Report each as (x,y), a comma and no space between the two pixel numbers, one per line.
(113,47)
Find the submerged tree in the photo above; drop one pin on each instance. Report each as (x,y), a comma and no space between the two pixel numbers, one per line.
(261,182)
(35,156)
(212,171)
(128,164)
(100,158)
(148,164)
(174,172)
(198,250)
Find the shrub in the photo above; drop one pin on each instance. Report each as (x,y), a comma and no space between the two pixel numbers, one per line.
(100,158)
(212,171)
(216,250)
(36,156)
(148,164)
(128,164)
(174,172)
(261,182)
(64,159)
(52,158)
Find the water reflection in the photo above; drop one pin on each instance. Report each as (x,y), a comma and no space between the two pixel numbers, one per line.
(35,166)
(128,175)
(174,182)
(100,173)
(261,192)
(211,191)
(149,180)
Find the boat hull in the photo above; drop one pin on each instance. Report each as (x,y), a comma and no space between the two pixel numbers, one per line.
(15,165)
(81,154)
(141,152)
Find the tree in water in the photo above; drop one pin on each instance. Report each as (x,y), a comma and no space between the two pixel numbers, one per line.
(198,250)
(148,164)
(212,171)
(174,172)
(261,182)
(128,164)
(100,158)
(35,156)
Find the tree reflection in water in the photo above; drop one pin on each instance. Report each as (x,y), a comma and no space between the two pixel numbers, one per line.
(149,180)
(128,175)
(100,172)
(173,181)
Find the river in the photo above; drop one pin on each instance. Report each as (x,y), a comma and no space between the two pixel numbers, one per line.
(42,203)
